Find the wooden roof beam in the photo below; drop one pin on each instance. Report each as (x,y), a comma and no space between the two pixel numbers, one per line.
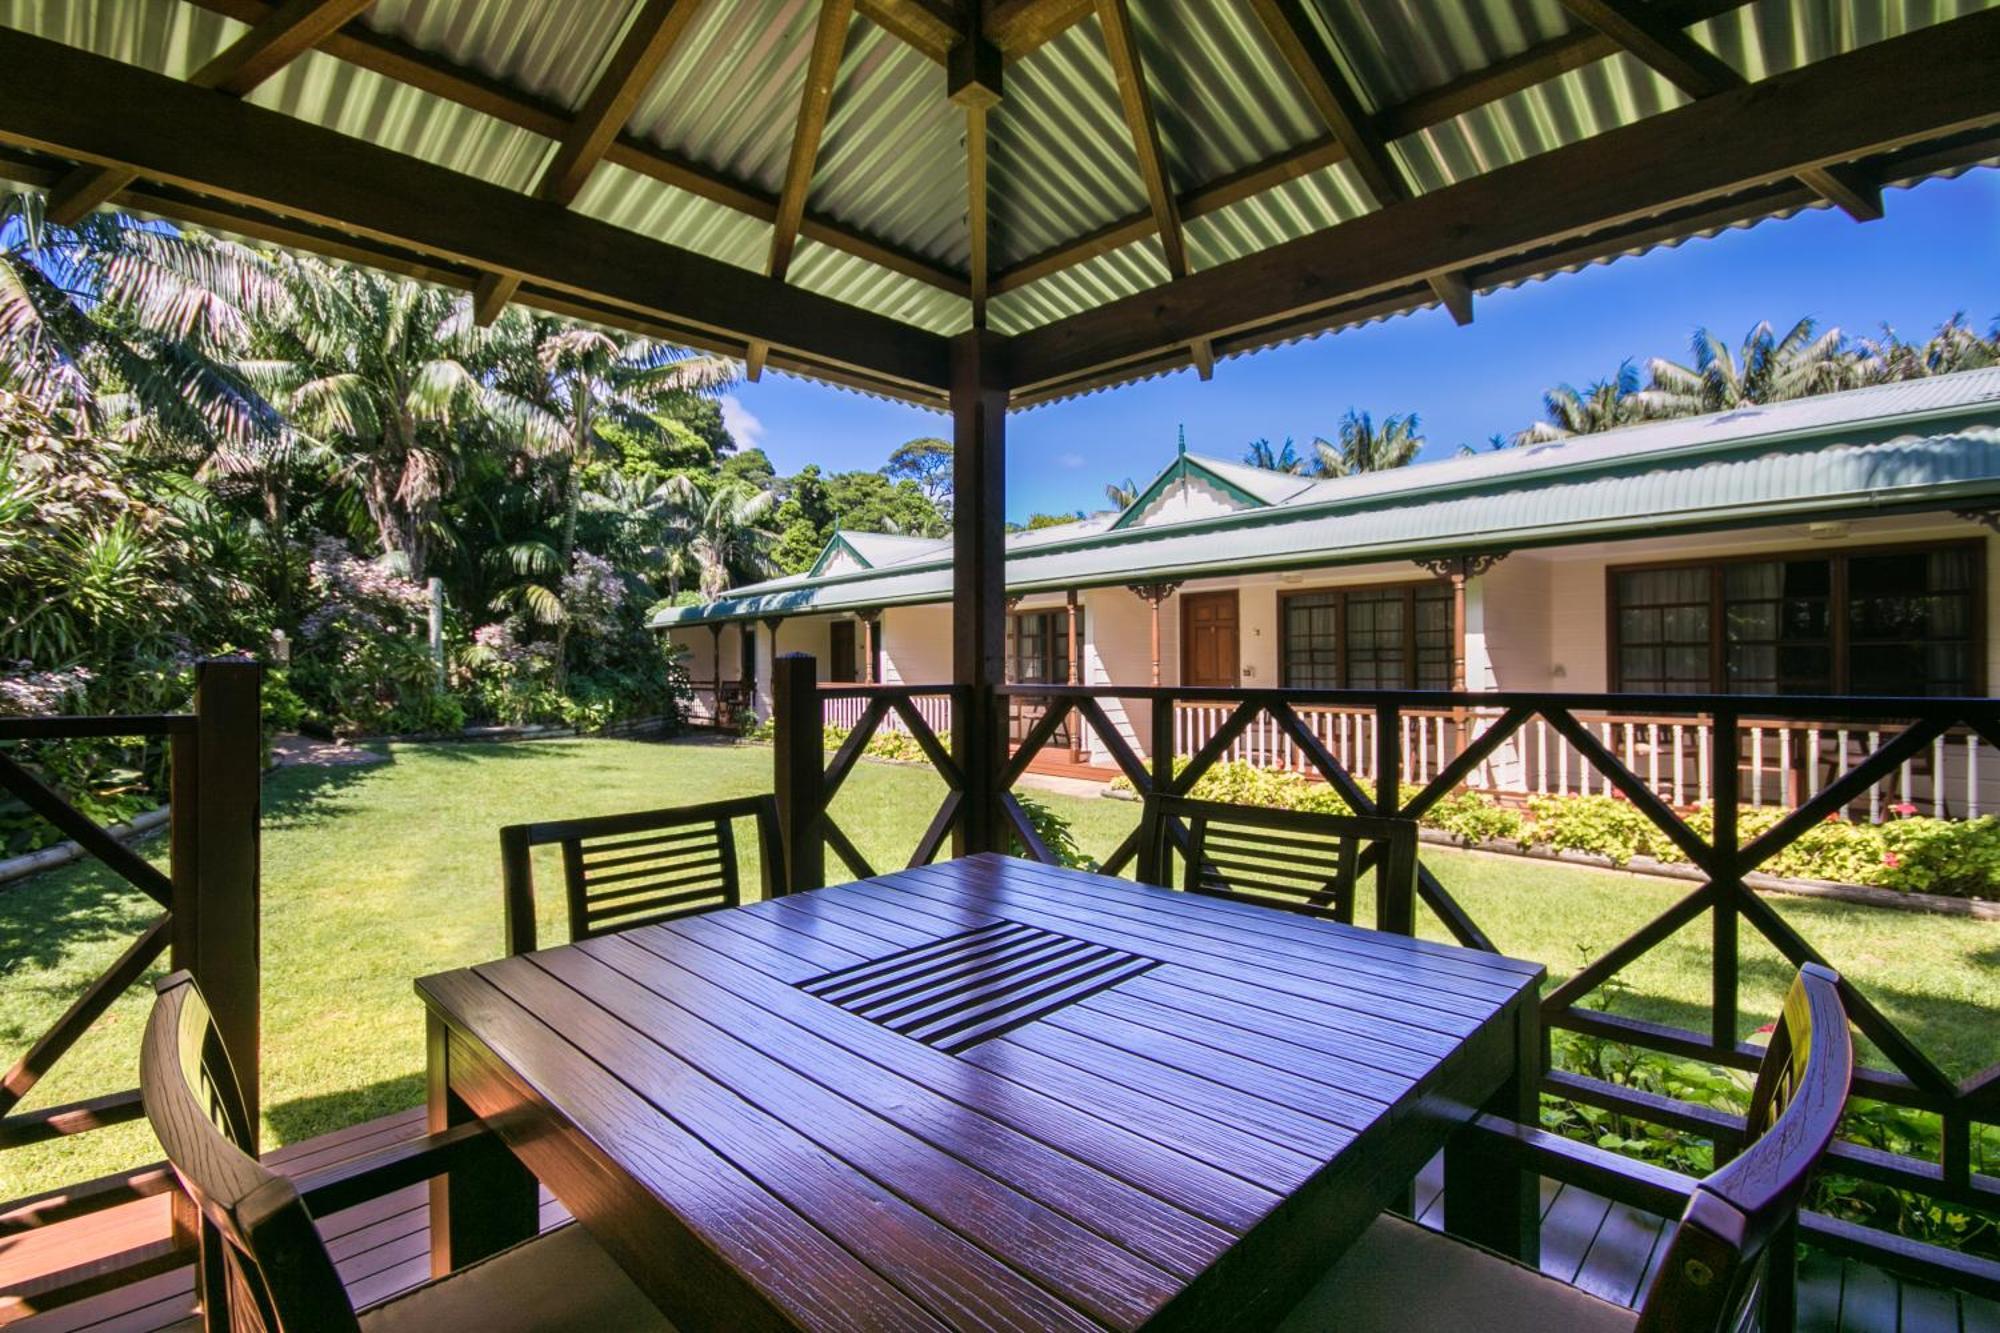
(1339,104)
(931,26)
(1662,44)
(427,72)
(650,38)
(1122,46)
(1019,26)
(1919,88)
(70,103)
(973,81)
(822,68)
(284,33)
(1536,65)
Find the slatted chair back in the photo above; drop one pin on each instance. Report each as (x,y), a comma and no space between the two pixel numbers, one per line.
(1716,1267)
(263,1268)
(1298,860)
(628,870)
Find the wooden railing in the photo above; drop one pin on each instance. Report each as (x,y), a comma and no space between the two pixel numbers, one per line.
(207,923)
(1370,769)
(1781,760)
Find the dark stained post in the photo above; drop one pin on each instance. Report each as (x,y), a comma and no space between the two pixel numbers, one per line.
(800,769)
(979,599)
(217,934)
(715,661)
(1723,739)
(1395,903)
(1075,675)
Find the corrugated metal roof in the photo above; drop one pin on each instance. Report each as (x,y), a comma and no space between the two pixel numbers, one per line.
(1934,441)
(892,162)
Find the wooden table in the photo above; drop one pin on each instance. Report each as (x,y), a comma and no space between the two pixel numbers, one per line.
(984,1094)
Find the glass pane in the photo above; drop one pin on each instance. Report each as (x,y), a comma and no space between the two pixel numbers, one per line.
(1762,579)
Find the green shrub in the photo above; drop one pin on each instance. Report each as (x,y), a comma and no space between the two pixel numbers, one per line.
(1959,858)
(1055,833)
(1474,817)
(1602,825)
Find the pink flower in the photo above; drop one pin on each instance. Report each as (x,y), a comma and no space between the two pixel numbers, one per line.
(1891,860)
(1903,809)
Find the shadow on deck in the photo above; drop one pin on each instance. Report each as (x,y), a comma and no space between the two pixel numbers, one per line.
(382,1248)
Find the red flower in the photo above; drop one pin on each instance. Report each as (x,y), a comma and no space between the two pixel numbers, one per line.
(1903,809)
(1891,860)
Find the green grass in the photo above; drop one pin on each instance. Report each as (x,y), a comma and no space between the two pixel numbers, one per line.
(374,876)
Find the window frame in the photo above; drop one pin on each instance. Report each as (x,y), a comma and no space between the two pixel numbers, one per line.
(1837,559)
(1409,588)
(1055,647)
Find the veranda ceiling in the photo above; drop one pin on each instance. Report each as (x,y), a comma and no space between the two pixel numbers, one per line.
(1268,121)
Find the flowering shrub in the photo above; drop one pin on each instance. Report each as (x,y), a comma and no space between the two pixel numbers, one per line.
(1604,825)
(363,662)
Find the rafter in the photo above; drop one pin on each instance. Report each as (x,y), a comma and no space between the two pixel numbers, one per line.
(282,35)
(973,81)
(931,26)
(1538,64)
(1333,94)
(392,58)
(822,68)
(1664,46)
(1920,88)
(70,103)
(648,41)
(1019,26)
(1122,46)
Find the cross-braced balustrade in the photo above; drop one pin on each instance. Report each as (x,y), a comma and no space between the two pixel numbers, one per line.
(207,922)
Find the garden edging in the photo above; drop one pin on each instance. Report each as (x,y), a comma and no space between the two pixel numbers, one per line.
(62,853)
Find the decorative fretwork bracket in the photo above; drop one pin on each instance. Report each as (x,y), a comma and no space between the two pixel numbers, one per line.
(1154,593)
(1985,518)
(1463,566)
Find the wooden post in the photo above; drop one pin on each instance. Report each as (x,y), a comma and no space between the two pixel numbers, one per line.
(1075,723)
(798,754)
(979,618)
(715,660)
(1153,594)
(868,622)
(1395,908)
(1723,755)
(217,773)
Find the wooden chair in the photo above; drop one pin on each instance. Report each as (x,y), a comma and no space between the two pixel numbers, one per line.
(263,1267)
(1735,1233)
(634,869)
(1294,859)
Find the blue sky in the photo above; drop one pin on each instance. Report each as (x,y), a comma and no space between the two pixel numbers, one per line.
(1937,251)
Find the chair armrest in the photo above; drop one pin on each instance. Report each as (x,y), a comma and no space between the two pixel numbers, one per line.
(387,1170)
(1625,1180)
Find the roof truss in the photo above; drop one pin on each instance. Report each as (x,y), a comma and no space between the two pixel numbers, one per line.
(1122,46)
(822,69)
(281,35)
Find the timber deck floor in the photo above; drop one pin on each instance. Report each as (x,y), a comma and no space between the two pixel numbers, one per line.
(382,1248)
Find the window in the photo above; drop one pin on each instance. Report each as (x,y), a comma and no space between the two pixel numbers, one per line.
(1038,650)
(1902,621)
(1394,638)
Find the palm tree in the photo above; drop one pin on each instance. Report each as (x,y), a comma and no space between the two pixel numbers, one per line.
(1283,459)
(383,373)
(1602,405)
(114,301)
(1121,494)
(566,386)
(1955,346)
(1364,447)
(727,541)
(655,524)
(1765,368)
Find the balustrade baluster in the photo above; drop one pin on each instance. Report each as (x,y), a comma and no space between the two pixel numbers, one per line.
(1937,777)
(1971,774)
(1702,765)
(1757,764)
(1874,791)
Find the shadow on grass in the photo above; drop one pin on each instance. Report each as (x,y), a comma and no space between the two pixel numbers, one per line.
(305,795)
(322,1113)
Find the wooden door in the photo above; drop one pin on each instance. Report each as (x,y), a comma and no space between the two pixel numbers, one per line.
(840,648)
(1209,648)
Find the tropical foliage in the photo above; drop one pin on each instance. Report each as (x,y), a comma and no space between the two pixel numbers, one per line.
(207,447)
(1359,445)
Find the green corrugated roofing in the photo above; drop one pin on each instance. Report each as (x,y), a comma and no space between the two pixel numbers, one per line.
(892,166)
(1927,443)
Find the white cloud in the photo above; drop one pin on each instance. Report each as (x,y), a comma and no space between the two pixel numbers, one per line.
(1072,460)
(742,424)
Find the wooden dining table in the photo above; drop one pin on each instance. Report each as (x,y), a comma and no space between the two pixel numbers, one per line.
(984,1094)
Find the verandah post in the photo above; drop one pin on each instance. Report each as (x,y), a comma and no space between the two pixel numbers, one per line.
(979,599)
(1395,908)
(799,763)
(215,864)
(1722,766)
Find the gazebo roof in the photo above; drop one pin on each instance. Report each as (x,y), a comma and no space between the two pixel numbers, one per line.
(1115,187)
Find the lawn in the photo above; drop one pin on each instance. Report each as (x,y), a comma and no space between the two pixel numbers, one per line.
(376,875)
